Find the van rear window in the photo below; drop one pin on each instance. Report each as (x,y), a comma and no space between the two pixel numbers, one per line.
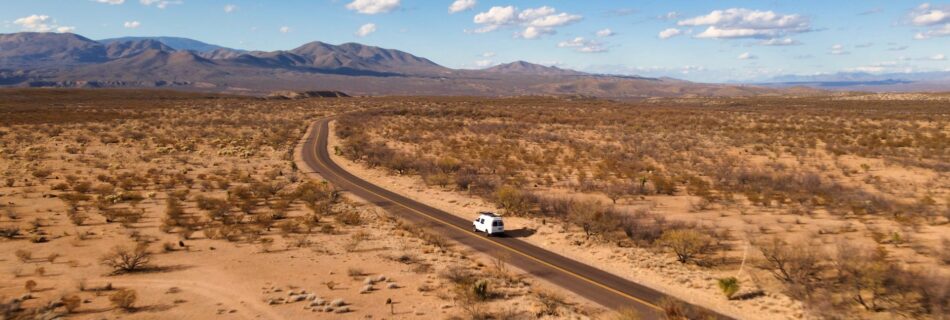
(498,224)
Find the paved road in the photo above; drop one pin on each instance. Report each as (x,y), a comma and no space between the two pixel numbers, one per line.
(581,279)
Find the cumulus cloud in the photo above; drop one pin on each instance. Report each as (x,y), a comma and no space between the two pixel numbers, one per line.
(161,4)
(928,15)
(935,18)
(938,57)
(461,5)
(41,23)
(228,8)
(747,56)
(373,6)
(605,33)
(488,54)
(838,50)
(285,29)
(131,24)
(746,23)
(112,2)
(780,42)
(534,21)
(580,44)
(366,29)
(669,33)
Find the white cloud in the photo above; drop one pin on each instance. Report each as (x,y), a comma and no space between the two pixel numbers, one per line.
(285,29)
(747,56)
(373,6)
(534,32)
(669,33)
(112,2)
(943,31)
(488,54)
(583,45)
(366,29)
(228,8)
(461,5)
(495,17)
(936,19)
(131,24)
(605,33)
(41,23)
(535,21)
(161,4)
(745,23)
(927,15)
(672,15)
(938,57)
(838,50)
(780,42)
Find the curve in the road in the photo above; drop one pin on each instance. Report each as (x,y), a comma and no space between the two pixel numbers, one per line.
(584,280)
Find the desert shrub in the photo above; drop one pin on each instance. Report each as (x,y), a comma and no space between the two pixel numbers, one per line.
(594,218)
(30,285)
(9,232)
(673,309)
(457,275)
(71,303)
(686,243)
(514,201)
(124,259)
(24,255)
(480,290)
(124,299)
(350,218)
(729,286)
(551,303)
(797,265)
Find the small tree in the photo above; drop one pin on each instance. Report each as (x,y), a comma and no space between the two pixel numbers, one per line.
(124,299)
(686,243)
(124,259)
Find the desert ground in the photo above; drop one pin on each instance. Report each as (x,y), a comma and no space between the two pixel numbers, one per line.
(160,204)
(759,208)
(156,204)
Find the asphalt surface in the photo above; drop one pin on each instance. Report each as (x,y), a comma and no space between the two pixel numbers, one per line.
(580,279)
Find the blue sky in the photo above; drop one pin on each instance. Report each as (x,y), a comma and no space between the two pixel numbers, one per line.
(712,41)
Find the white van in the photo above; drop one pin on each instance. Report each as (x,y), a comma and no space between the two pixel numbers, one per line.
(489,223)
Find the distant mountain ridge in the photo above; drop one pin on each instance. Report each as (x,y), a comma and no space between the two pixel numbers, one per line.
(173,42)
(865,81)
(70,60)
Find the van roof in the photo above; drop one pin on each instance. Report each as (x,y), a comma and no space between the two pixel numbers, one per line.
(488,213)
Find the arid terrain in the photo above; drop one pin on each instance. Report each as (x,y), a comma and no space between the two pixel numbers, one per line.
(157,204)
(152,204)
(770,207)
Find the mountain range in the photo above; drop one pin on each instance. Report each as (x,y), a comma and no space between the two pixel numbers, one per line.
(70,60)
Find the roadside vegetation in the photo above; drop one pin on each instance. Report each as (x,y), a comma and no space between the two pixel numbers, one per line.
(794,179)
